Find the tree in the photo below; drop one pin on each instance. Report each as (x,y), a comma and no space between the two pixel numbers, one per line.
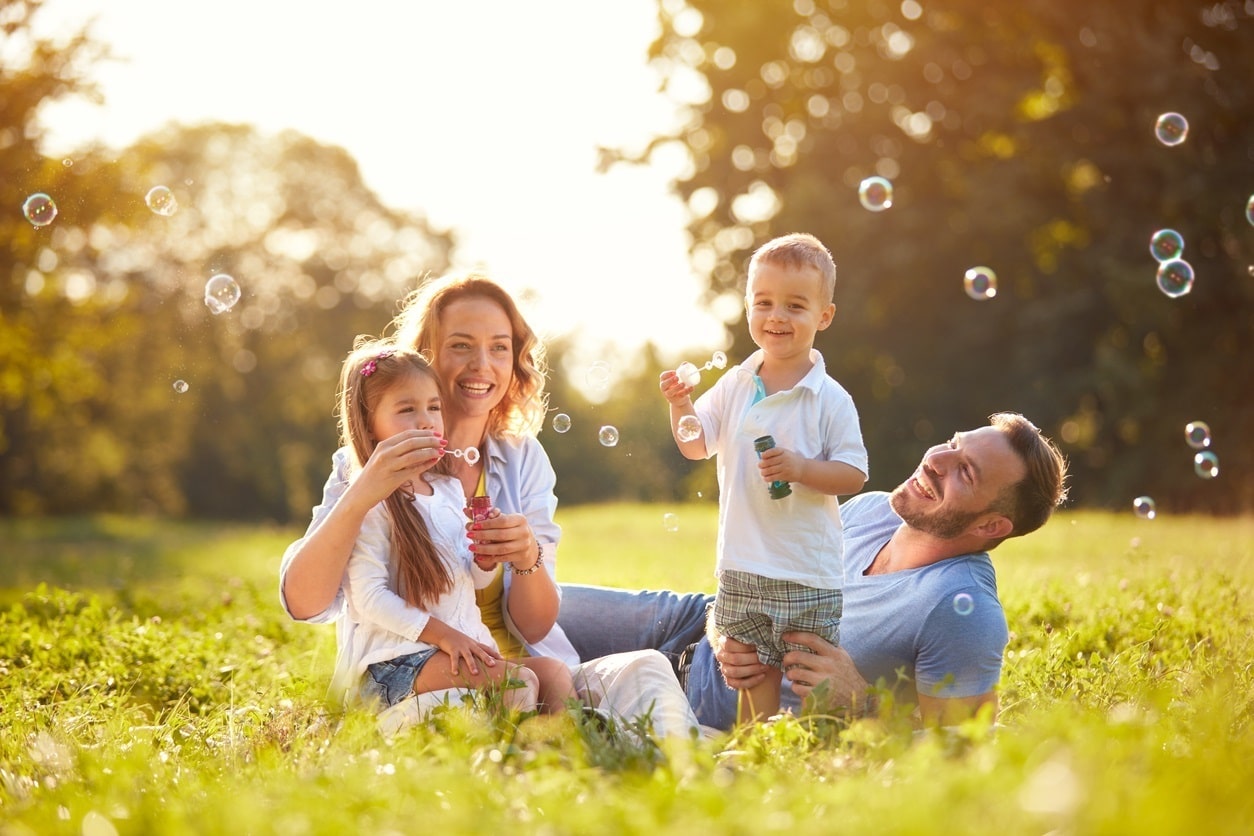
(1018,136)
(119,389)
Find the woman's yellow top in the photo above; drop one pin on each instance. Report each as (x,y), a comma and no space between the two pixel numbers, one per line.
(491,601)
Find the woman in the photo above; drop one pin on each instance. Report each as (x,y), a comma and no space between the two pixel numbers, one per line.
(492,368)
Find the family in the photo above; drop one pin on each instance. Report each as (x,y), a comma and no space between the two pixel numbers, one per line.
(815,598)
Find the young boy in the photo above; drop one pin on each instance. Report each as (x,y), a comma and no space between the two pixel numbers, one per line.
(780,562)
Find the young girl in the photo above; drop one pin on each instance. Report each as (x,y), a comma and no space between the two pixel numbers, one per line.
(412,624)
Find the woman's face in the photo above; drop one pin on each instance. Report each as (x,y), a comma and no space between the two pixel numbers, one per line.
(474,356)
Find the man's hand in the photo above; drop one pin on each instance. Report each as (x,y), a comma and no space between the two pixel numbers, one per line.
(827,665)
(738,662)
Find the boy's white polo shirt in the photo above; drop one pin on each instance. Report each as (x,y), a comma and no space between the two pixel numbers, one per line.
(797,538)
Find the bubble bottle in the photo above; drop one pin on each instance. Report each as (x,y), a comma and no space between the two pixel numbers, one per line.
(478,508)
(777,489)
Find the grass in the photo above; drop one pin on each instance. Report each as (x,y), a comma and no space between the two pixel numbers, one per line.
(152,685)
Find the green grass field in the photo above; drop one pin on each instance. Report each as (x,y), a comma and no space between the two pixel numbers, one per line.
(151,684)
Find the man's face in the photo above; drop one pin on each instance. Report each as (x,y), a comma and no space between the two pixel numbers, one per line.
(957,483)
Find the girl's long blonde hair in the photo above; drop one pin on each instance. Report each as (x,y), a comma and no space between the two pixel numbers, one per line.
(371,369)
(417,325)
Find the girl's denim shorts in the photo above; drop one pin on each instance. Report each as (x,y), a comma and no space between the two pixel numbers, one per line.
(392,681)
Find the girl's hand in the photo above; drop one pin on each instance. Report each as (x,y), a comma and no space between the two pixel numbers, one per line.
(399,459)
(673,389)
(461,647)
(502,538)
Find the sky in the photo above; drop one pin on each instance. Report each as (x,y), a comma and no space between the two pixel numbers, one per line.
(484,116)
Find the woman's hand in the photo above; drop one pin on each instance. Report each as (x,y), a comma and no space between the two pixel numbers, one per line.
(502,538)
(397,460)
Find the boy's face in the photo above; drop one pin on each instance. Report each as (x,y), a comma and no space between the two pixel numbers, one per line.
(786,308)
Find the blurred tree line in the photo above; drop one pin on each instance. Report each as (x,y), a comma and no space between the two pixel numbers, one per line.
(1017,137)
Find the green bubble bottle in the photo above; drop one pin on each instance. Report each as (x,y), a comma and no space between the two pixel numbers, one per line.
(777,489)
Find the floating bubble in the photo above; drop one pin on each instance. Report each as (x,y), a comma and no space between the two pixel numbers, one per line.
(1249,210)
(561,422)
(876,194)
(67,162)
(1175,277)
(598,376)
(180,386)
(980,283)
(1166,244)
(1171,129)
(1145,507)
(470,454)
(964,604)
(690,375)
(1206,464)
(1197,434)
(221,293)
(161,201)
(608,436)
(39,209)
(670,522)
(688,428)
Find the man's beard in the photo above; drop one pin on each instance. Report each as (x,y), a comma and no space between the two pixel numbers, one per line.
(946,525)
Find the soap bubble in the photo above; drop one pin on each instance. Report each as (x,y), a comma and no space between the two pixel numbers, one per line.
(608,436)
(964,604)
(719,359)
(1171,129)
(688,428)
(876,194)
(1145,507)
(1197,434)
(1166,244)
(1249,210)
(180,386)
(1206,464)
(561,422)
(670,522)
(1175,277)
(221,293)
(688,374)
(980,283)
(39,209)
(161,201)
(598,376)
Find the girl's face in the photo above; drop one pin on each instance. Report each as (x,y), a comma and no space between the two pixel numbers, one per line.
(474,355)
(411,403)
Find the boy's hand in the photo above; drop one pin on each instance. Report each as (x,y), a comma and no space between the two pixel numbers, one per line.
(780,465)
(676,392)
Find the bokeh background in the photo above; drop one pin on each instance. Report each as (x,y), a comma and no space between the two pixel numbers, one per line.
(1016,136)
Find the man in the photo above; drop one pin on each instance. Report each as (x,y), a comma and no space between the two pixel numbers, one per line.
(921,612)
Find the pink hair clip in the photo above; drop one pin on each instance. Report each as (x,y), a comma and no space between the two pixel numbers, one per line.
(371,365)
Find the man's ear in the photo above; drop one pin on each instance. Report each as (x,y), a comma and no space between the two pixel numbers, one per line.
(993,527)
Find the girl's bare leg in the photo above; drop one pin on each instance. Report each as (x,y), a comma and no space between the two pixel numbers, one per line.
(556,684)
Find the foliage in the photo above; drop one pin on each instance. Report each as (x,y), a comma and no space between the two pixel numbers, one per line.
(1018,136)
(102,310)
(180,699)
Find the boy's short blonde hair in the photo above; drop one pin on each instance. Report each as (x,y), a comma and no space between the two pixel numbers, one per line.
(795,251)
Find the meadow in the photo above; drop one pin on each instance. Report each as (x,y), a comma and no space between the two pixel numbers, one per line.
(151,684)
